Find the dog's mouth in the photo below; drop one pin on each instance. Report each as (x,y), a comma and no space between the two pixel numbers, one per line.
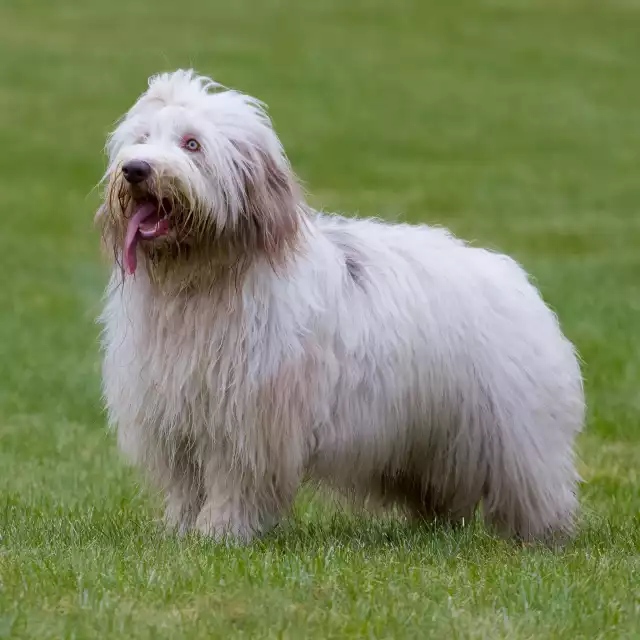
(150,220)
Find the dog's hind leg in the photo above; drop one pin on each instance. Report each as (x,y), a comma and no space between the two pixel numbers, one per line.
(531,493)
(530,513)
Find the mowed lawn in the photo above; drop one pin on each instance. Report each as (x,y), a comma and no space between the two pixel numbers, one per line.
(516,123)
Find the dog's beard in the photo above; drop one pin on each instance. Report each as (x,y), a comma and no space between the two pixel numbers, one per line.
(158,221)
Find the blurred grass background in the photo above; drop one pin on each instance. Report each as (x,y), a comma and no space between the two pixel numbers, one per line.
(513,122)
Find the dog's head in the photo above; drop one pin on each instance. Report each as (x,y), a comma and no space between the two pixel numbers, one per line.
(197,175)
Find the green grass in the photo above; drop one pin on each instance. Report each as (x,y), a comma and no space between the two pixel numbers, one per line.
(513,122)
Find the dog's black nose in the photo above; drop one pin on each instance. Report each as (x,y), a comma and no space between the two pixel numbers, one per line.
(136,171)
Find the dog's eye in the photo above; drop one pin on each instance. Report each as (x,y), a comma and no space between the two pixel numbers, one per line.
(191,144)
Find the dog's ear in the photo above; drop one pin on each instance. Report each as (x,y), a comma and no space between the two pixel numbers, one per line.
(269,219)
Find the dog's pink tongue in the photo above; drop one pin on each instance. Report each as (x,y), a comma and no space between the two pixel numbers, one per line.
(143,212)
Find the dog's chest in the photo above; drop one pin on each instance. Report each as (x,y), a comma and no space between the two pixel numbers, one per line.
(173,364)
(188,364)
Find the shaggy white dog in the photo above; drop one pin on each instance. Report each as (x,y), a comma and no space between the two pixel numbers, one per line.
(251,343)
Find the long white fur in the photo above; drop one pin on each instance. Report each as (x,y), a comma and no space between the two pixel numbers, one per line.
(389,360)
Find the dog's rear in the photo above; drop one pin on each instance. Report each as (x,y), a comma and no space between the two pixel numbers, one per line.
(259,342)
(455,383)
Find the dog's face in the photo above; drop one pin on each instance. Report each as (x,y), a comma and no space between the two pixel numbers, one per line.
(197,173)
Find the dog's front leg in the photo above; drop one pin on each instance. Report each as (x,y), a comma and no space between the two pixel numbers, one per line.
(238,506)
(182,505)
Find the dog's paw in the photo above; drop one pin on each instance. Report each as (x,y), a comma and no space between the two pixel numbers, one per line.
(180,515)
(225,525)
(179,523)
